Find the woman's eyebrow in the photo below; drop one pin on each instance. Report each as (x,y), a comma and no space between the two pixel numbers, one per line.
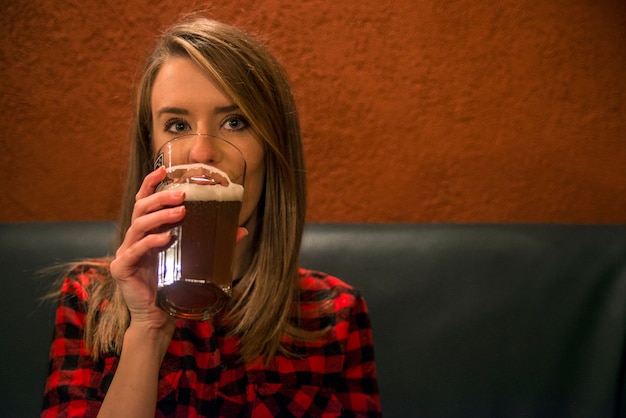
(181,111)
(172,110)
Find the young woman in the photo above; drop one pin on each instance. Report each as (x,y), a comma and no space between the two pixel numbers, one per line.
(292,342)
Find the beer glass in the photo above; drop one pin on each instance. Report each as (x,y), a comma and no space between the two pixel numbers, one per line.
(195,270)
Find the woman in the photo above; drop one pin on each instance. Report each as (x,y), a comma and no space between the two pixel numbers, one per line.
(292,342)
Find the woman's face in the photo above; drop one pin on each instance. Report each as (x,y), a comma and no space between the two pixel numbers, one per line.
(185,100)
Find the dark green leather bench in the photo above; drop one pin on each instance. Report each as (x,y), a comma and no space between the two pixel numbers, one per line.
(469,320)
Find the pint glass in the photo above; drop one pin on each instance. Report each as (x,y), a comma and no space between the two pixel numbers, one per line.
(195,270)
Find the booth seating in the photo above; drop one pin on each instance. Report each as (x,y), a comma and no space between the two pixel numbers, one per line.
(469,320)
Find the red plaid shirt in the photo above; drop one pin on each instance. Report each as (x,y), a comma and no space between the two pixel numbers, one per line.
(201,374)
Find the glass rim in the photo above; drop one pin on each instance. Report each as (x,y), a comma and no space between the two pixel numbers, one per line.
(169,141)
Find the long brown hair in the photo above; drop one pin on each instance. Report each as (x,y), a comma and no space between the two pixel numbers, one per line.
(262,308)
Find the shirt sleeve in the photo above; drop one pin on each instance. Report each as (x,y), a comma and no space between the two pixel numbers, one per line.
(75,382)
(358,390)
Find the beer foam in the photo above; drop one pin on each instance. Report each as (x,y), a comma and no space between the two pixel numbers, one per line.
(202,192)
(215,192)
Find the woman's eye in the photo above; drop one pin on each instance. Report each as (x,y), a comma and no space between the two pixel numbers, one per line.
(235,123)
(176,125)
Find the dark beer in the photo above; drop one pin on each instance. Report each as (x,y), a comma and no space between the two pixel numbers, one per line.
(195,271)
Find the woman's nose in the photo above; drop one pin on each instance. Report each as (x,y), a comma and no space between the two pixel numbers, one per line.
(204,149)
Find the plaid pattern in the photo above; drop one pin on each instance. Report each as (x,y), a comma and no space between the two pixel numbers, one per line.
(202,375)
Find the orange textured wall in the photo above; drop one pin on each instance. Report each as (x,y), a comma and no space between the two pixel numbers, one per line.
(412,111)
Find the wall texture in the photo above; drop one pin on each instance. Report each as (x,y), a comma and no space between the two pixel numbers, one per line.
(412,111)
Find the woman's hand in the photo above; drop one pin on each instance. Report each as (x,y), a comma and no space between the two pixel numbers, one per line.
(134,265)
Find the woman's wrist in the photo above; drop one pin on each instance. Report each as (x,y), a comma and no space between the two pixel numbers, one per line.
(148,336)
